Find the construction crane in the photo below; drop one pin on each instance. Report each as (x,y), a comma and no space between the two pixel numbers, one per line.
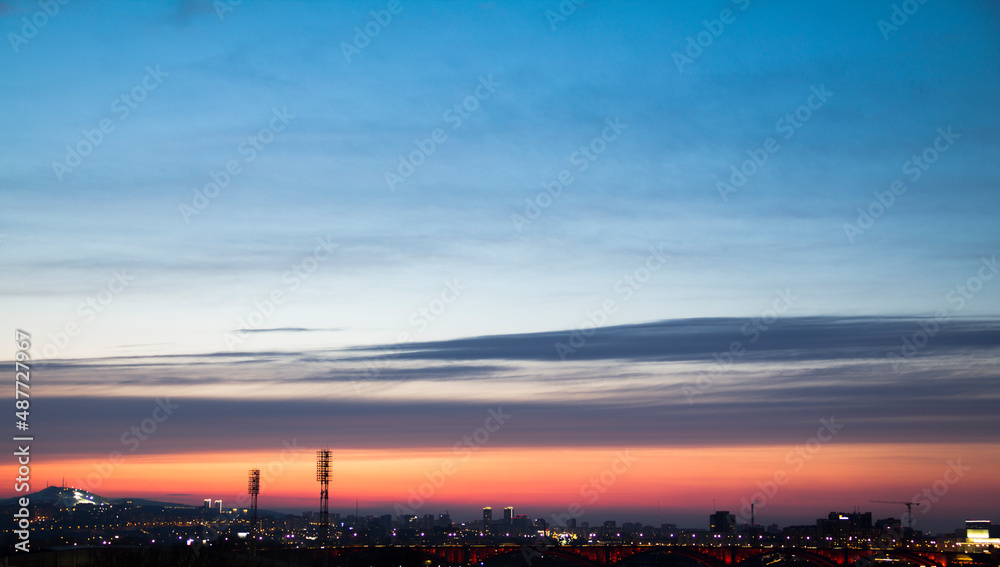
(909,510)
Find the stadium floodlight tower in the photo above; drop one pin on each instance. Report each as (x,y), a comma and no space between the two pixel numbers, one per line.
(323,476)
(253,488)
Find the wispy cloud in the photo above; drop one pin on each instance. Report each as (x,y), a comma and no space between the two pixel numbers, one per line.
(791,338)
(291,330)
(627,388)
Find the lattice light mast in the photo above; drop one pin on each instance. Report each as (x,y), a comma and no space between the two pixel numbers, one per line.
(253,488)
(323,476)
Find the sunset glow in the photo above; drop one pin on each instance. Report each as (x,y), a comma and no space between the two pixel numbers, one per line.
(637,262)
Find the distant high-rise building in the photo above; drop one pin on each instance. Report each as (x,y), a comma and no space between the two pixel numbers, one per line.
(218,506)
(208,503)
(980,532)
(889,525)
(487,517)
(977,529)
(722,522)
(508,515)
(838,523)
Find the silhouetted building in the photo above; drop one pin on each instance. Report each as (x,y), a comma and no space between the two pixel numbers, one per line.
(889,525)
(508,515)
(981,533)
(487,517)
(722,522)
(839,526)
(855,520)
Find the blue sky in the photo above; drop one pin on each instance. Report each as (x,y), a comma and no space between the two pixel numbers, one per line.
(440,256)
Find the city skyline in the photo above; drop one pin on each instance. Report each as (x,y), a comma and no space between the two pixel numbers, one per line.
(80,524)
(513,521)
(617,258)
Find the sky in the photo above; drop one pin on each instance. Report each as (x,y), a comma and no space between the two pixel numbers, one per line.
(647,258)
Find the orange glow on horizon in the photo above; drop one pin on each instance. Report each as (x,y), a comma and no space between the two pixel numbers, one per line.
(545,478)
